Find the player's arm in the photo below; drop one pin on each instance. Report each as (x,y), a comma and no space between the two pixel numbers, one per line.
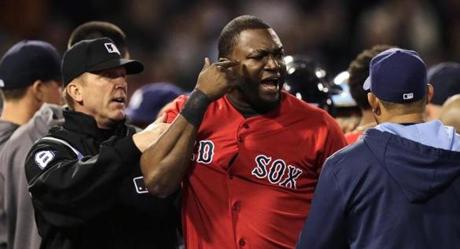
(165,162)
(325,226)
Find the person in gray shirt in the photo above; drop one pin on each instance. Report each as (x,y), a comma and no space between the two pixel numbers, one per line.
(30,76)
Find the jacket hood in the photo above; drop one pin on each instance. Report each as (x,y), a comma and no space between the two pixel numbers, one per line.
(423,159)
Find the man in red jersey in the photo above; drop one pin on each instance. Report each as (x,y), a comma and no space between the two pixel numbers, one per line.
(256,151)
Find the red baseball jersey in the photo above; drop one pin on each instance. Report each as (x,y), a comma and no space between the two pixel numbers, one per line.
(252,179)
(353,136)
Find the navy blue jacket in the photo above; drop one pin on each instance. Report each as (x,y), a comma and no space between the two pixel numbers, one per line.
(386,192)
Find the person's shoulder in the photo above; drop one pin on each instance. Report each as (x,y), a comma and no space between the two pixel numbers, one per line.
(353,136)
(56,133)
(46,117)
(19,138)
(172,109)
(19,143)
(351,157)
(291,100)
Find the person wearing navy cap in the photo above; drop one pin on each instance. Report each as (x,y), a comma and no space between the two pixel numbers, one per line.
(147,101)
(395,187)
(84,176)
(30,75)
(445,78)
(30,82)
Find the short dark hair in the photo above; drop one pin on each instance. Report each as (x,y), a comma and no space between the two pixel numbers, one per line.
(406,108)
(98,29)
(230,32)
(359,71)
(18,93)
(14,94)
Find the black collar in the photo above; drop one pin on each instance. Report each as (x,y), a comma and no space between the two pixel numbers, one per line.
(86,124)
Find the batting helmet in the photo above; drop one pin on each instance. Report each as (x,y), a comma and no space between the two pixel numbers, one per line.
(306,80)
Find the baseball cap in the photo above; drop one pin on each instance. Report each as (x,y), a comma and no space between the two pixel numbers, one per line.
(28,61)
(445,78)
(397,75)
(93,56)
(148,100)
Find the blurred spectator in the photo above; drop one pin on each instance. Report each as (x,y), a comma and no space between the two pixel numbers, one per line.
(445,78)
(407,23)
(450,112)
(148,100)
(359,71)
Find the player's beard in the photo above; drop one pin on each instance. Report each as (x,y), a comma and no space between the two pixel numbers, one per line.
(250,93)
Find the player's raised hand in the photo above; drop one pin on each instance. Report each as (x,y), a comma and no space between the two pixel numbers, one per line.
(215,79)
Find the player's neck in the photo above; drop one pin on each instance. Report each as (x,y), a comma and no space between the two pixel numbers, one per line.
(410,118)
(17,112)
(367,118)
(242,106)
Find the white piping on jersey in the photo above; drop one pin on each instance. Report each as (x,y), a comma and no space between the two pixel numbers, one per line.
(79,155)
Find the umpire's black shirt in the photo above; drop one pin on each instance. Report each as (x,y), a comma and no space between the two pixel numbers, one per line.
(88,192)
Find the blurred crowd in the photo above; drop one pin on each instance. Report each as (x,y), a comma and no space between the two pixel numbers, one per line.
(172,37)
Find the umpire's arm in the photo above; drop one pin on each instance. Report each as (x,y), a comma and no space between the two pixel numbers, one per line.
(165,162)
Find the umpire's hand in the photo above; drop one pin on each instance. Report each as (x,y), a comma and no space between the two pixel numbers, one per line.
(151,133)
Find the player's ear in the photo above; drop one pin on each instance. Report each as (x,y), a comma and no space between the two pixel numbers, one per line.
(37,89)
(374,102)
(75,89)
(429,93)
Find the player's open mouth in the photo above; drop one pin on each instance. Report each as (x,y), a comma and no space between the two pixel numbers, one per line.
(270,84)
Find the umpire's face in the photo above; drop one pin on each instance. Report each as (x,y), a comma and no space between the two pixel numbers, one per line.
(261,67)
(103,95)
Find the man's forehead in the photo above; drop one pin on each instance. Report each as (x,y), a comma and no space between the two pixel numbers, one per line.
(259,39)
(275,37)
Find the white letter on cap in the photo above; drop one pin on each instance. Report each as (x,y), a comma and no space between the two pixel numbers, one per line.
(111,48)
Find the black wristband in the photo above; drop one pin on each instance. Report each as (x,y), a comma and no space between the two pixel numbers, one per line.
(195,107)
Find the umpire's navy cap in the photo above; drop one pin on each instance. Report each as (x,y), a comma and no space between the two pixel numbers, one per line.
(28,61)
(397,75)
(93,56)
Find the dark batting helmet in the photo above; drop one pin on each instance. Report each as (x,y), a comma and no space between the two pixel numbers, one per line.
(306,79)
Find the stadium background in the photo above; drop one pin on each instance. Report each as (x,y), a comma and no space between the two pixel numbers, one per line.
(171,37)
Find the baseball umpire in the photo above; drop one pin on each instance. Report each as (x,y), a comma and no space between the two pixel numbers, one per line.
(84,176)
